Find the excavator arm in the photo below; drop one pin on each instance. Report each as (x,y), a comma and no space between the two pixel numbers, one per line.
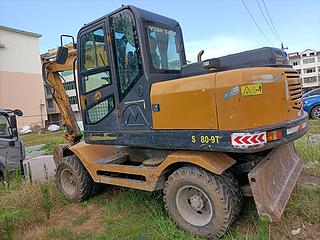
(51,76)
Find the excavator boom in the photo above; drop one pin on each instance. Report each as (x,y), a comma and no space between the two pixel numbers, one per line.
(51,76)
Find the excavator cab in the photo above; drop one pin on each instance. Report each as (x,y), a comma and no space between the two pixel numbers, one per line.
(120,56)
(198,131)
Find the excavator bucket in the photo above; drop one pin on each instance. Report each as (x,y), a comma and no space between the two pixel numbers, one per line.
(273,180)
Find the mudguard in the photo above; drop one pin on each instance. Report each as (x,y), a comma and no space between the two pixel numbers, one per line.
(273,179)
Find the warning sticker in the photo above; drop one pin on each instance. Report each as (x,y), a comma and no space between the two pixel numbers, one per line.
(251,89)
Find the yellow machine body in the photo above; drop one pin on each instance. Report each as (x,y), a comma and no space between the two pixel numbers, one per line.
(262,97)
(218,117)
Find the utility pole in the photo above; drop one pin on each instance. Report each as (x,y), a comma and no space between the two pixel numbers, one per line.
(41,107)
(283,47)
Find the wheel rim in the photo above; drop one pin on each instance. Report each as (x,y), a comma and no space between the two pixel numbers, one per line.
(316,113)
(194,205)
(68,181)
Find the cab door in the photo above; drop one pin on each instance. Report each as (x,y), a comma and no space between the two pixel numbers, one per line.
(132,85)
(97,87)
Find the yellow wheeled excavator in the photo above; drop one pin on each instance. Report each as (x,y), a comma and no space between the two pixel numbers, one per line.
(206,133)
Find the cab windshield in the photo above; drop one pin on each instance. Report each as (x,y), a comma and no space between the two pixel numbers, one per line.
(4,127)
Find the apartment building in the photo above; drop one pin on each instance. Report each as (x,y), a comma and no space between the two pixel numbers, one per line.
(307,64)
(54,116)
(20,76)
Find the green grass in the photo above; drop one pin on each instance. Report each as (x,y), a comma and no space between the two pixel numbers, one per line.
(307,150)
(49,147)
(27,197)
(132,214)
(31,139)
(305,204)
(50,139)
(126,214)
(65,233)
(314,126)
(81,219)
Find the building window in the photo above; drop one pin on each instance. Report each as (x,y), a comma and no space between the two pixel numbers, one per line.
(295,63)
(69,85)
(50,103)
(73,100)
(304,55)
(308,60)
(312,54)
(310,79)
(309,70)
(298,71)
(48,90)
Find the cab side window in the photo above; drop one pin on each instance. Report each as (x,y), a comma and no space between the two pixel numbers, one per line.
(163,49)
(4,127)
(94,61)
(95,73)
(126,50)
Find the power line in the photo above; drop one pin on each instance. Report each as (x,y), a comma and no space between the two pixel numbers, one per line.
(264,16)
(264,4)
(256,23)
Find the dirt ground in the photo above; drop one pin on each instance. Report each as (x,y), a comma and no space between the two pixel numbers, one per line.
(79,218)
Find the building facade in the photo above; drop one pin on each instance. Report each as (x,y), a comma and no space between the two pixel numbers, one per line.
(21,84)
(307,64)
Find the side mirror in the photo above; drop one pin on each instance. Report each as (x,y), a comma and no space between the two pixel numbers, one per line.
(62,55)
(15,134)
(62,52)
(18,112)
(13,123)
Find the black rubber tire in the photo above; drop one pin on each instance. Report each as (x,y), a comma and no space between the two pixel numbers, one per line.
(84,185)
(224,194)
(312,112)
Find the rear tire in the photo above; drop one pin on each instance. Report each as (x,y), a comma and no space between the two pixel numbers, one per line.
(73,180)
(315,112)
(202,203)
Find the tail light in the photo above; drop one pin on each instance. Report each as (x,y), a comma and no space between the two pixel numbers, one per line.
(274,135)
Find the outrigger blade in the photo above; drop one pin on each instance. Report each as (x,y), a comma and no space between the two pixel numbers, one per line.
(273,180)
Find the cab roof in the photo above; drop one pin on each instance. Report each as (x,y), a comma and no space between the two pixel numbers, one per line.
(139,14)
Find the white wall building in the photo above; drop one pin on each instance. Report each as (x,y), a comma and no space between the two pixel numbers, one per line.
(307,64)
(20,76)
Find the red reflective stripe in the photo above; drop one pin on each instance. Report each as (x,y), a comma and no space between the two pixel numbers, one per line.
(254,139)
(260,138)
(245,139)
(238,140)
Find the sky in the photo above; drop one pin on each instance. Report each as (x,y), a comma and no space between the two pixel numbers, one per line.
(219,27)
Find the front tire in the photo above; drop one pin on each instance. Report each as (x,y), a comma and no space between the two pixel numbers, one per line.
(202,203)
(73,180)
